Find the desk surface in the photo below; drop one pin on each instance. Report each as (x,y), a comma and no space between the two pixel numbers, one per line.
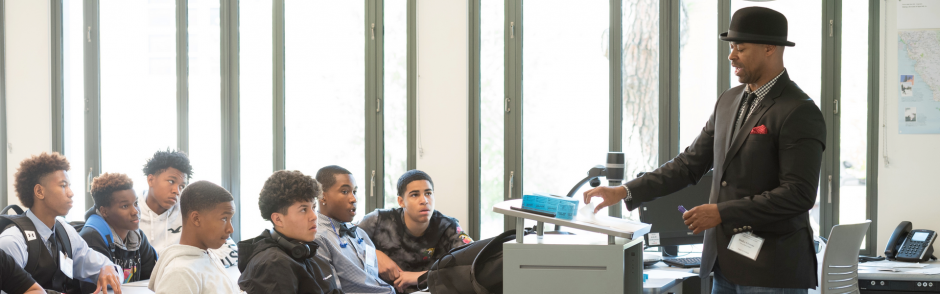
(657,284)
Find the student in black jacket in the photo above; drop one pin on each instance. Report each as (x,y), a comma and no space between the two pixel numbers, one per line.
(112,228)
(284,259)
(14,279)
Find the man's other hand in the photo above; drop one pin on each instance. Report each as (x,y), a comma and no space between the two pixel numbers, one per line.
(611,196)
(702,217)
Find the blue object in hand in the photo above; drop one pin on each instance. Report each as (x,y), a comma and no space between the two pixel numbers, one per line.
(682,209)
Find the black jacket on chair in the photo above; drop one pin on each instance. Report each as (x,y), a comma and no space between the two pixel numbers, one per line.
(763,183)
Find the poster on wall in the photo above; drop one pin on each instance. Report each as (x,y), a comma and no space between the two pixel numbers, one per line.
(918,67)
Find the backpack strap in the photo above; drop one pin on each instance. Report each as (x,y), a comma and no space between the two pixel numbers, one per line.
(63,236)
(14,207)
(33,241)
(101,226)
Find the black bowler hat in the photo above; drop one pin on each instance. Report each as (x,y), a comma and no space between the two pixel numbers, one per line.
(757,25)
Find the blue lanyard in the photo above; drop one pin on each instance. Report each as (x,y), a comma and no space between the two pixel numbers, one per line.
(342,241)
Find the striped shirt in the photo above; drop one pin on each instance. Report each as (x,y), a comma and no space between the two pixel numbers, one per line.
(356,265)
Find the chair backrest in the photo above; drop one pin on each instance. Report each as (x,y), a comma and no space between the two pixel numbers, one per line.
(840,263)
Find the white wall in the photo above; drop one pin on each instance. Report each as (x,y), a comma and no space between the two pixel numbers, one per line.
(443,63)
(29,82)
(907,185)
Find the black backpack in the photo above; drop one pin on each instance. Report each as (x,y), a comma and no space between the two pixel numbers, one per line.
(475,268)
(20,220)
(25,224)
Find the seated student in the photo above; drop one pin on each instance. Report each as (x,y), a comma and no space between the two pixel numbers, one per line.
(47,247)
(188,267)
(160,218)
(346,247)
(15,280)
(284,260)
(409,239)
(113,230)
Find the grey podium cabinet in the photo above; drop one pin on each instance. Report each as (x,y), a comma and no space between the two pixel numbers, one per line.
(572,264)
(599,259)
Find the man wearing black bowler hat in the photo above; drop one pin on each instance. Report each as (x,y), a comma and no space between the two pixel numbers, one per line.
(765,141)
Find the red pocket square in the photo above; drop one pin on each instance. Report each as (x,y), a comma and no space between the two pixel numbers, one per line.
(760,130)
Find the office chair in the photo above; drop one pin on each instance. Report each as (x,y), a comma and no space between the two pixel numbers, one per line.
(840,262)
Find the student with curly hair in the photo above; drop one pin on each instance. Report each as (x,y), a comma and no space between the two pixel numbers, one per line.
(188,267)
(113,229)
(284,259)
(161,220)
(47,247)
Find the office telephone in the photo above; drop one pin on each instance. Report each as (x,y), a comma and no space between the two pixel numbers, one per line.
(906,244)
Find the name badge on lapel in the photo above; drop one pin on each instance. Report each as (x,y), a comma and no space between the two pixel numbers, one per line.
(371,262)
(65,265)
(746,244)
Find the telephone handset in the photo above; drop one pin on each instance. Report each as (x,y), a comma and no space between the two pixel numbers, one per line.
(906,244)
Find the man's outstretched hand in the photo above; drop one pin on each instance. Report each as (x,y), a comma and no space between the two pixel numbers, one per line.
(611,196)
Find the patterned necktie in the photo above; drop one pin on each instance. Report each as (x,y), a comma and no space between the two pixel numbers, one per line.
(349,231)
(744,112)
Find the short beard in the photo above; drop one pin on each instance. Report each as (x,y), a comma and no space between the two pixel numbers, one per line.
(747,78)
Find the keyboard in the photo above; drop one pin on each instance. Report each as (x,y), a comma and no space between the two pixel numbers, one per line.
(684,261)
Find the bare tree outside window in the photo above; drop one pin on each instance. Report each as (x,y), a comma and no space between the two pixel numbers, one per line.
(640,68)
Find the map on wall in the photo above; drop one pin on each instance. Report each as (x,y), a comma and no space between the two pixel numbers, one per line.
(918,67)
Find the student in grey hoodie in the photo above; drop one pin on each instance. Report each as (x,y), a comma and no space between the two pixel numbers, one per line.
(188,267)
(113,229)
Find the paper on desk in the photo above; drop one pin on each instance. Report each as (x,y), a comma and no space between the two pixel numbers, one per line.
(586,214)
(675,275)
(892,264)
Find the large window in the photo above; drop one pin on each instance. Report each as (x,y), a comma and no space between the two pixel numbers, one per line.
(205,121)
(492,113)
(138,84)
(395,98)
(853,132)
(325,84)
(74,104)
(640,86)
(255,109)
(245,87)
(566,95)
(697,67)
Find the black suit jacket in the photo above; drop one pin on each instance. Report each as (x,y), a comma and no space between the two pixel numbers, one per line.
(765,184)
